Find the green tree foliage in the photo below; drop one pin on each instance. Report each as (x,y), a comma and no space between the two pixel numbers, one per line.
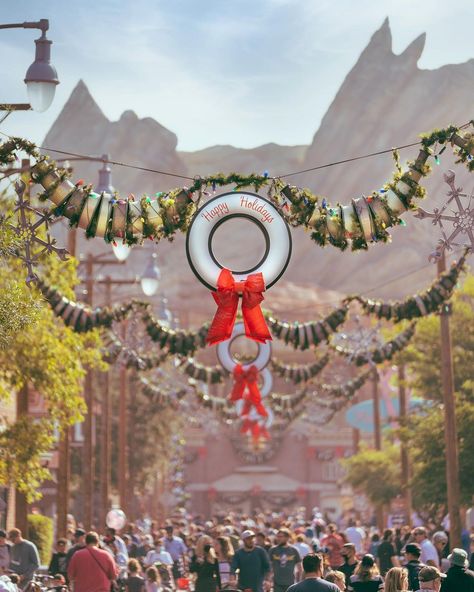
(40,532)
(375,473)
(41,354)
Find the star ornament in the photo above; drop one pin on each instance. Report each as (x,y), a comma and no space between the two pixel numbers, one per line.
(455,219)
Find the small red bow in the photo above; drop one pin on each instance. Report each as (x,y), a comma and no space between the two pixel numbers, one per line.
(227,300)
(247,379)
(255,429)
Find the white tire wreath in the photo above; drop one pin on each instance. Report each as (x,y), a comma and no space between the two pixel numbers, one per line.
(238,204)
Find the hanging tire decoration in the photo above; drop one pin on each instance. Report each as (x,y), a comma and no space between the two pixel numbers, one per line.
(228,285)
(229,363)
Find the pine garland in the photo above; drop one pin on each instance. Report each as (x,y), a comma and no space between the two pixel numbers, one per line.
(82,318)
(302,336)
(114,348)
(419,305)
(358,224)
(299,373)
(379,354)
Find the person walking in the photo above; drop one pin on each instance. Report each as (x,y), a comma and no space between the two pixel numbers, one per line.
(396,580)
(57,565)
(350,561)
(302,546)
(458,576)
(386,553)
(133,582)
(225,554)
(177,549)
(24,558)
(285,561)
(92,569)
(429,554)
(412,554)
(313,580)
(253,565)
(79,543)
(206,566)
(366,577)
(334,543)
(430,579)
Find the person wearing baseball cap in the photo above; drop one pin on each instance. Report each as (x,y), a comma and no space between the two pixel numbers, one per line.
(252,564)
(430,579)
(458,576)
(412,552)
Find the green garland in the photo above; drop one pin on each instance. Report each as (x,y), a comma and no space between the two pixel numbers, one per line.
(160,396)
(379,354)
(176,341)
(420,305)
(302,336)
(363,221)
(82,318)
(299,373)
(217,375)
(113,348)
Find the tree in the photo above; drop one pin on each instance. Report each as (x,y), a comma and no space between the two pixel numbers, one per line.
(423,433)
(375,473)
(40,353)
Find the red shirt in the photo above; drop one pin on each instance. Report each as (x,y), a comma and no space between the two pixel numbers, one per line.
(334,543)
(86,573)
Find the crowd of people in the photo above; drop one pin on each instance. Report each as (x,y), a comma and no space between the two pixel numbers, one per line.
(252,554)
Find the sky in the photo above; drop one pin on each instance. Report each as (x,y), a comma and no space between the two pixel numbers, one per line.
(240,72)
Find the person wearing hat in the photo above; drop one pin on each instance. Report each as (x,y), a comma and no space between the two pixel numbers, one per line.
(175,546)
(412,552)
(366,577)
(79,543)
(350,561)
(458,576)
(253,565)
(430,579)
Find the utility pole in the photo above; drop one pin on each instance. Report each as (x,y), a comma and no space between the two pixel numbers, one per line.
(88,456)
(405,459)
(376,403)
(106,428)
(377,436)
(122,435)
(64,448)
(450,430)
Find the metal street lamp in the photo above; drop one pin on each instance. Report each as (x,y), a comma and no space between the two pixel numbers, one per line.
(164,314)
(150,279)
(41,77)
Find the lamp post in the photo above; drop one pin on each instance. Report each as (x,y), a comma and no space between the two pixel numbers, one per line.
(41,77)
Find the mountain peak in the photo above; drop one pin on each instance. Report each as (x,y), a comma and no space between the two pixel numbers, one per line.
(413,51)
(381,40)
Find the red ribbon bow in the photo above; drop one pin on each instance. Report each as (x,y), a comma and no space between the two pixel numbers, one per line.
(256,430)
(227,300)
(247,380)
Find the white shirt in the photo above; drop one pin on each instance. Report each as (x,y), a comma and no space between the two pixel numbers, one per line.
(429,552)
(155,556)
(303,549)
(356,536)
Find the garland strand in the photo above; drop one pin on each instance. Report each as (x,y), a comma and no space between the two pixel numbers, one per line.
(114,348)
(300,373)
(380,354)
(82,318)
(419,305)
(302,336)
(363,221)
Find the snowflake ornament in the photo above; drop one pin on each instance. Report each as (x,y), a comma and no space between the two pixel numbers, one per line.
(27,228)
(455,219)
(361,342)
